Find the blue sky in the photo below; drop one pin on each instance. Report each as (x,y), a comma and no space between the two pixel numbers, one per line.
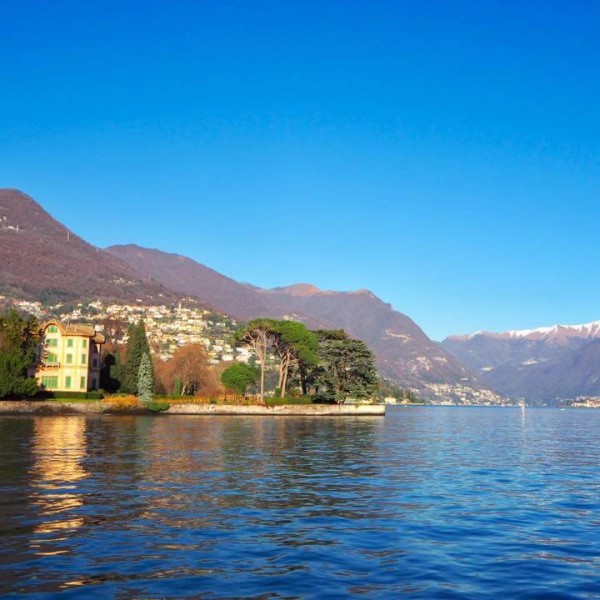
(445,155)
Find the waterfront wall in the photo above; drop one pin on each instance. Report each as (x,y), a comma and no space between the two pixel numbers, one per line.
(317,410)
(27,407)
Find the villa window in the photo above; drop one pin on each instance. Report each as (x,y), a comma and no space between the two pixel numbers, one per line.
(84,343)
(51,359)
(84,359)
(68,382)
(70,343)
(82,382)
(53,329)
(69,359)
(52,342)
(50,381)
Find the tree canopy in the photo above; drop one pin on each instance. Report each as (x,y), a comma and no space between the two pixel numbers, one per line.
(239,376)
(258,335)
(187,372)
(297,349)
(145,384)
(336,365)
(19,343)
(137,346)
(347,367)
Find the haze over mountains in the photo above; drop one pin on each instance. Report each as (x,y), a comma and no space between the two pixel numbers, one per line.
(544,364)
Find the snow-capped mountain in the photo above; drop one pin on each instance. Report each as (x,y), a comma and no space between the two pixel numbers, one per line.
(519,362)
(555,332)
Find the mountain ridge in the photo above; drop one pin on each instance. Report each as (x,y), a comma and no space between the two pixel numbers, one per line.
(520,363)
(404,353)
(586,330)
(40,258)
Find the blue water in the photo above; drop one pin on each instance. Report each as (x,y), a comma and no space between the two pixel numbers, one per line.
(430,502)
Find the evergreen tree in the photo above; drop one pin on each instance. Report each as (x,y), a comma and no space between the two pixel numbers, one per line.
(145,384)
(19,341)
(258,335)
(137,346)
(297,350)
(239,376)
(347,367)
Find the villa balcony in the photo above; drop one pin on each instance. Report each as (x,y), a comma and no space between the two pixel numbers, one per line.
(55,364)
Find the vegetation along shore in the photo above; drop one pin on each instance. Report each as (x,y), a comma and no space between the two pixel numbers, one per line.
(58,368)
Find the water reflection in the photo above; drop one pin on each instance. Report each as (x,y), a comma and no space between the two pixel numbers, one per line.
(58,449)
(432,502)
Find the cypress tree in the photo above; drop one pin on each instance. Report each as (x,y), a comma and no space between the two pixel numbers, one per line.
(137,346)
(145,379)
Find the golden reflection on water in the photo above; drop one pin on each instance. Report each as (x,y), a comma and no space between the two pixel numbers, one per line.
(58,449)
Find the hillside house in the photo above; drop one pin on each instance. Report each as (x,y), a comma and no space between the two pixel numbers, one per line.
(70,360)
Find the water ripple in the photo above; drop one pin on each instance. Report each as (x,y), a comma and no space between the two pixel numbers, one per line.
(426,503)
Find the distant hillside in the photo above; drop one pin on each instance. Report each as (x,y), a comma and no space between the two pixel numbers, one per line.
(187,276)
(537,364)
(576,373)
(41,259)
(404,353)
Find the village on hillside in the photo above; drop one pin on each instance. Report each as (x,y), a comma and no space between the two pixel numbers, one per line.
(170,327)
(167,327)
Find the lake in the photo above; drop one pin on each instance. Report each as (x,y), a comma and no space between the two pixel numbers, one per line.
(428,502)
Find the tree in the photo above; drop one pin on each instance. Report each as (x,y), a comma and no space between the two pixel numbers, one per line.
(111,372)
(239,376)
(297,348)
(19,343)
(145,384)
(347,366)
(137,346)
(258,334)
(188,371)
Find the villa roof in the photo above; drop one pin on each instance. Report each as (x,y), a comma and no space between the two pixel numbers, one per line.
(77,329)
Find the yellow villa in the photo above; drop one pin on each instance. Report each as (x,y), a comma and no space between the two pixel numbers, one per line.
(71,358)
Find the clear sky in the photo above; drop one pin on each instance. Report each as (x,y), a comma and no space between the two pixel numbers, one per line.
(443,154)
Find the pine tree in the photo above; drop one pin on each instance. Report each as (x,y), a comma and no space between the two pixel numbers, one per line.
(137,346)
(145,380)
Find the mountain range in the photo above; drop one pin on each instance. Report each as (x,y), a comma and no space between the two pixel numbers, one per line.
(42,259)
(404,352)
(541,365)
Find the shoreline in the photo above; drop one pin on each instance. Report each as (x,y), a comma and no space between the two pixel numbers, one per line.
(95,407)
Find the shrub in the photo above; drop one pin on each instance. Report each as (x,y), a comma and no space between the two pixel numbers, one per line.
(157,406)
(45,394)
(122,403)
(289,400)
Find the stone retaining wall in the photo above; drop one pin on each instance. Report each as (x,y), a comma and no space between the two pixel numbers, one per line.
(27,407)
(317,410)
